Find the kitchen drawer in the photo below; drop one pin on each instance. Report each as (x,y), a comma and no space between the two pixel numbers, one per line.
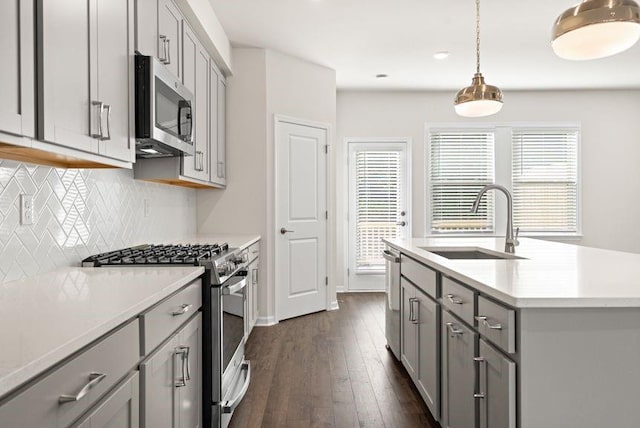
(458,299)
(166,317)
(420,275)
(103,364)
(254,251)
(497,323)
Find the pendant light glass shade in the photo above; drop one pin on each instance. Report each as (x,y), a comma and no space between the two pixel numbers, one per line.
(479,99)
(596,29)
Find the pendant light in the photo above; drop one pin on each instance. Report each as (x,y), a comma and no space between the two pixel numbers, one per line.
(479,99)
(596,29)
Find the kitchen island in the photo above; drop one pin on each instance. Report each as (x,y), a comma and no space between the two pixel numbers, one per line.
(548,339)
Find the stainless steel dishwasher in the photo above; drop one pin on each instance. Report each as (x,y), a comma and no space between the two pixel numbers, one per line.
(392,312)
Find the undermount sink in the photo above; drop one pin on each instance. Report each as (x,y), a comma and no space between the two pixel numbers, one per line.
(470,253)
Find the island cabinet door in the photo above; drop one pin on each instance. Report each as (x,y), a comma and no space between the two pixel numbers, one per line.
(409,328)
(496,388)
(119,410)
(458,374)
(189,391)
(428,379)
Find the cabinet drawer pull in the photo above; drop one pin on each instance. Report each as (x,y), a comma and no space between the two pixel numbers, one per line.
(453,330)
(183,310)
(485,321)
(455,299)
(94,379)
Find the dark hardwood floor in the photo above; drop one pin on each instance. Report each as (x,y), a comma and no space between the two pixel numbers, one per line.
(329,369)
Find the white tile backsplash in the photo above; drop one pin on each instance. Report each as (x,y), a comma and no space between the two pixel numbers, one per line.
(80,212)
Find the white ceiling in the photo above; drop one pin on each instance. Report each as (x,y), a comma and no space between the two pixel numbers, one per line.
(362,38)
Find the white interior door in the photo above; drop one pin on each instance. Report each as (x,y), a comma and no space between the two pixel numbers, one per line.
(378,208)
(301,224)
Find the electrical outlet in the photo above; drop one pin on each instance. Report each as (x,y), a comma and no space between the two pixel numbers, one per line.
(145,205)
(26,209)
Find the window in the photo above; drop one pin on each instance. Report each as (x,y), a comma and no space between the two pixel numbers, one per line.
(538,164)
(545,180)
(378,194)
(460,163)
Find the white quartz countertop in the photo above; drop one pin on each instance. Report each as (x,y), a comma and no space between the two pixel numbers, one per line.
(552,275)
(46,318)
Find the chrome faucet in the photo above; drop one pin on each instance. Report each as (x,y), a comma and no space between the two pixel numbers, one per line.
(511,241)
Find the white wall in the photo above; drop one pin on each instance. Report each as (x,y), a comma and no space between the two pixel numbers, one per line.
(610,149)
(264,84)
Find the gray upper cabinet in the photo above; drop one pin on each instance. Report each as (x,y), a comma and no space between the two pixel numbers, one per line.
(86,76)
(196,79)
(221,160)
(121,408)
(17,104)
(170,36)
(497,388)
(458,377)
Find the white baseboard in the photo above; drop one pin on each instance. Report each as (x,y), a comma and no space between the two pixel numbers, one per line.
(362,291)
(266,321)
(334,306)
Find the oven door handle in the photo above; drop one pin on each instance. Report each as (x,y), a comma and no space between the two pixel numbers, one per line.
(236,286)
(230,406)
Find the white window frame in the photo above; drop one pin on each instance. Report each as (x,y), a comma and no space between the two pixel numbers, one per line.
(502,170)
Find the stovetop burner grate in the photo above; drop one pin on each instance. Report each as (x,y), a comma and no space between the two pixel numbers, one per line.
(158,255)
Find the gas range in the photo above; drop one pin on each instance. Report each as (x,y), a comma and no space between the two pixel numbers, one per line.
(222,261)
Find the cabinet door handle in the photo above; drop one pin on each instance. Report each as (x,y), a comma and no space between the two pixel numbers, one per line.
(108,108)
(168,41)
(183,310)
(182,380)
(410,310)
(416,314)
(199,161)
(455,299)
(479,379)
(163,40)
(94,379)
(187,364)
(100,106)
(453,330)
(485,321)
(254,276)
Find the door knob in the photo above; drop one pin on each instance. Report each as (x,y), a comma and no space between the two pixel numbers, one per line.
(283,230)
(401,223)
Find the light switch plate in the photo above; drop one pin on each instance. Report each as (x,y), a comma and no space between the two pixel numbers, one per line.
(26,209)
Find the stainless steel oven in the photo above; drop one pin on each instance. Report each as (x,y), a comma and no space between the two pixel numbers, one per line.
(164,120)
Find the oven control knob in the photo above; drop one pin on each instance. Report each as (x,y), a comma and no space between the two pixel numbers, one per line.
(225,269)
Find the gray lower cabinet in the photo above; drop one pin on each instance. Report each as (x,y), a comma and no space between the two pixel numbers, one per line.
(419,346)
(458,373)
(120,409)
(17,104)
(496,388)
(86,76)
(172,386)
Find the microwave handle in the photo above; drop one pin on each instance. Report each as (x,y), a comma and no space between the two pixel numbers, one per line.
(181,106)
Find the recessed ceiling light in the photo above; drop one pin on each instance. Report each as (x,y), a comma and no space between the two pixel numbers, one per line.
(382,76)
(441,55)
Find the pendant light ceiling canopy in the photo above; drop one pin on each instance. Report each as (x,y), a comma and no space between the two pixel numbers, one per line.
(596,29)
(479,99)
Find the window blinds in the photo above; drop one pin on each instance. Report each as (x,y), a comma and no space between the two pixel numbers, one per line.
(378,204)
(460,163)
(545,179)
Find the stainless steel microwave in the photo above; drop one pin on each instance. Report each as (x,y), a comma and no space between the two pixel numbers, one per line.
(164,120)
